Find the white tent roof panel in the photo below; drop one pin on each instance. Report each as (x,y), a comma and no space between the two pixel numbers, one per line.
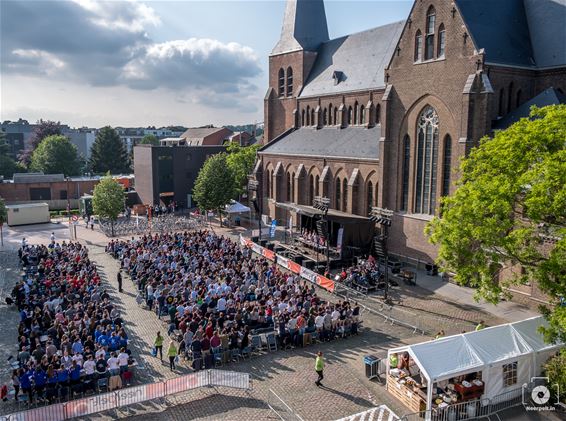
(499,343)
(236,207)
(459,354)
(445,357)
(528,329)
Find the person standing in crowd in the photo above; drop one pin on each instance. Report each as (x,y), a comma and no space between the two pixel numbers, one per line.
(158,344)
(119,278)
(319,367)
(172,354)
(16,383)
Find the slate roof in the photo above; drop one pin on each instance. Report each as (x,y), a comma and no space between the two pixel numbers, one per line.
(359,58)
(548,97)
(547,24)
(304,26)
(350,142)
(526,33)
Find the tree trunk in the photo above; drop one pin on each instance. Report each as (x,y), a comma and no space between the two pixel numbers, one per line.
(220,216)
(112,226)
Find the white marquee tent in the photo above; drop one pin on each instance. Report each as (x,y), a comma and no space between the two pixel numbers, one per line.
(236,207)
(487,351)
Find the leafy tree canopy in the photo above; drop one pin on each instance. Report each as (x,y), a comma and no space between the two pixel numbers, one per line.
(214,186)
(56,154)
(555,370)
(43,129)
(108,153)
(8,165)
(3,211)
(108,199)
(150,139)
(241,162)
(509,211)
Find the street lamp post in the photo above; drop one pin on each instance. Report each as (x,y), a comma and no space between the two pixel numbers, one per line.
(323,204)
(382,217)
(68,200)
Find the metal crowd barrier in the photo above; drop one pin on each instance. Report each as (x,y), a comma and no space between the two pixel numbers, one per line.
(132,395)
(470,410)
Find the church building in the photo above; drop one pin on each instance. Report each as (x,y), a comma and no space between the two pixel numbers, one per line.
(382,117)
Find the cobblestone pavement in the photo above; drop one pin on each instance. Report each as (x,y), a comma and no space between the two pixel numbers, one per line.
(9,318)
(290,374)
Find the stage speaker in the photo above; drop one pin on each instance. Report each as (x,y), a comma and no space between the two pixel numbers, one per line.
(298,259)
(255,239)
(263,243)
(309,264)
(322,228)
(270,246)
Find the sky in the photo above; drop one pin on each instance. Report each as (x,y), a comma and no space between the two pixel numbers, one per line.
(139,63)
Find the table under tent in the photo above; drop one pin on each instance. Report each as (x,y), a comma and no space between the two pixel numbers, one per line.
(234,211)
(492,364)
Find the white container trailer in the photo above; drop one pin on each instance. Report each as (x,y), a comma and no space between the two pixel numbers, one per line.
(29,213)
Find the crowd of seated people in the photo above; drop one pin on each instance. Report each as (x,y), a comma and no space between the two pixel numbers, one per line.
(216,294)
(70,334)
(366,275)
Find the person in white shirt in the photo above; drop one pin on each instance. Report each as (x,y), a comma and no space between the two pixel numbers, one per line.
(319,322)
(89,367)
(123,358)
(100,352)
(78,358)
(113,365)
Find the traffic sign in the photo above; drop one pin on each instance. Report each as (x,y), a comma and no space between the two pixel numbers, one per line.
(75,219)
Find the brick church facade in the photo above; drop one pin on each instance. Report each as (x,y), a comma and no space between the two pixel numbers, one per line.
(382,117)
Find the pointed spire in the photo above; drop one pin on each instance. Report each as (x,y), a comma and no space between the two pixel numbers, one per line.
(304,26)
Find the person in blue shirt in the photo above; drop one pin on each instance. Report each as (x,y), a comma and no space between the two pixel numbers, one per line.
(97,333)
(26,383)
(51,383)
(102,340)
(75,373)
(40,380)
(114,342)
(77,346)
(62,376)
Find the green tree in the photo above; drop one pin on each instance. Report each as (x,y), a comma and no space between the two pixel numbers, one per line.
(555,370)
(509,211)
(149,139)
(43,129)
(8,165)
(108,199)
(214,186)
(56,154)
(108,153)
(3,219)
(241,162)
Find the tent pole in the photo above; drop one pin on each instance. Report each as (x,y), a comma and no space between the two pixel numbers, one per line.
(428,399)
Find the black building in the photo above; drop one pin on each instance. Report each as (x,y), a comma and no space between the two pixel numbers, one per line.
(166,173)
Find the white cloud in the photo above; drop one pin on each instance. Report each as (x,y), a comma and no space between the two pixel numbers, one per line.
(193,63)
(107,44)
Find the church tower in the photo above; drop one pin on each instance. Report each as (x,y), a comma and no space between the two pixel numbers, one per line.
(290,62)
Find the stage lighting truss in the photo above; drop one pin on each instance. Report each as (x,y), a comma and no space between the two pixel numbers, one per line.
(321,203)
(381,216)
